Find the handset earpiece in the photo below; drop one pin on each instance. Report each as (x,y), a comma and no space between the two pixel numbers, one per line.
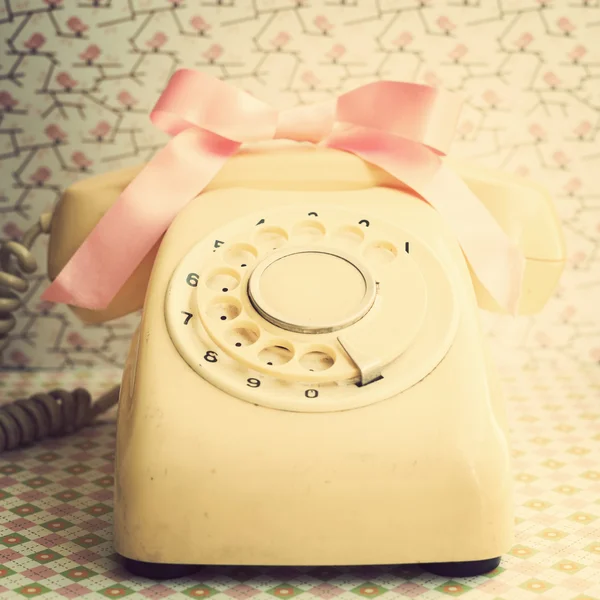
(80,208)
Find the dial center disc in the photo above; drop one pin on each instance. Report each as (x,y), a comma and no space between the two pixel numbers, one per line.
(311,290)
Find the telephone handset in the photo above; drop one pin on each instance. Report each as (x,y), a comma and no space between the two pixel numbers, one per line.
(309,355)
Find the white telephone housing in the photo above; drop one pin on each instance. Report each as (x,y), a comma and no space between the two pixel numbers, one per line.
(309,384)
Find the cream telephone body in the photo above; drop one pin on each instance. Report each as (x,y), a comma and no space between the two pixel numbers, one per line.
(309,384)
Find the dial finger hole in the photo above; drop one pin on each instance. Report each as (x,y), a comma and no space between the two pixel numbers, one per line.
(309,231)
(224,308)
(241,255)
(271,238)
(278,353)
(244,335)
(381,252)
(223,280)
(317,360)
(350,237)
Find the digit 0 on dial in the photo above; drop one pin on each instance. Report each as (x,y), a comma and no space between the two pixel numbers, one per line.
(311,310)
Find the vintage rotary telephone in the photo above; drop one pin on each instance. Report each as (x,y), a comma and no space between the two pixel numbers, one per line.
(308,384)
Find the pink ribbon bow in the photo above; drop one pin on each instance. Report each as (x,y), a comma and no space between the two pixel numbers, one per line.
(402,128)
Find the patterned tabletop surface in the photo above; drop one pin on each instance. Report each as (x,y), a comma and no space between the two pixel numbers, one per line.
(56,511)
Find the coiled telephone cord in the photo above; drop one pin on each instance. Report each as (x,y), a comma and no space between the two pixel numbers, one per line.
(16,262)
(55,413)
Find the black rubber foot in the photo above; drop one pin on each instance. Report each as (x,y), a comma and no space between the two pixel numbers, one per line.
(158,570)
(470,568)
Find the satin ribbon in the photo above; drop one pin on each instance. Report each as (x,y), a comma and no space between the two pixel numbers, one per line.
(402,128)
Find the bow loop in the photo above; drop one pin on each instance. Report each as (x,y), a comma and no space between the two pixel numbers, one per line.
(193,99)
(417,112)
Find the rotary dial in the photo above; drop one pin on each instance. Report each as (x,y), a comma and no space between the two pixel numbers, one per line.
(311,311)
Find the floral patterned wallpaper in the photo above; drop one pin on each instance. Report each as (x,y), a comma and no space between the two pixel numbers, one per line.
(78,77)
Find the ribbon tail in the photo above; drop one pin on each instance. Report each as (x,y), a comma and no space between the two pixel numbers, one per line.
(496,260)
(494,257)
(140,216)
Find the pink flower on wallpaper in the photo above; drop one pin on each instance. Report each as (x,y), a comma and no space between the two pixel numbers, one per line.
(458,52)
(568,313)
(537,131)
(430,78)
(81,160)
(572,186)
(522,171)
(199,24)
(76,25)
(101,130)
(403,40)
(578,259)
(577,53)
(465,128)
(551,79)
(66,81)
(41,175)
(542,338)
(491,97)
(524,40)
(76,339)
(281,39)
(582,129)
(91,53)
(213,53)
(53,3)
(336,52)
(126,99)
(565,25)
(35,42)
(19,358)
(561,159)
(445,24)
(55,133)
(158,40)
(322,23)
(310,79)
(7,102)
(595,354)
(44,307)
(12,231)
